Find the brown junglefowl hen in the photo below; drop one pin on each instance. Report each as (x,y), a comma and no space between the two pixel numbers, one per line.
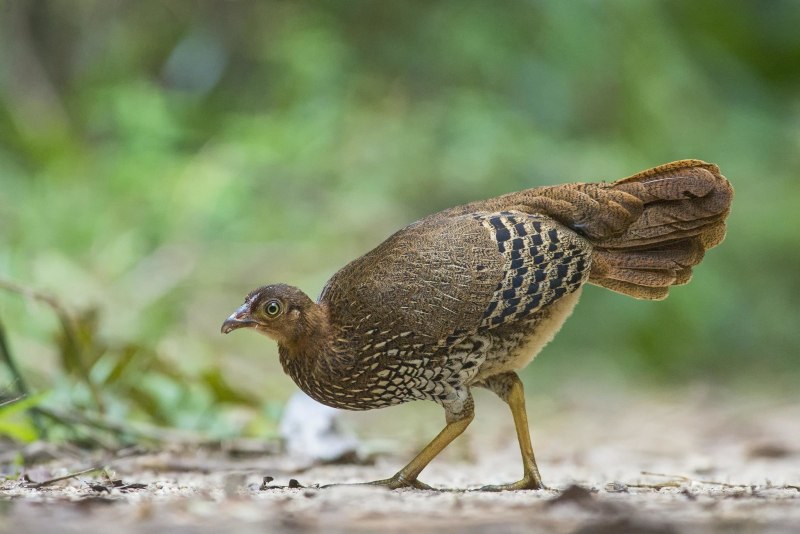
(468,296)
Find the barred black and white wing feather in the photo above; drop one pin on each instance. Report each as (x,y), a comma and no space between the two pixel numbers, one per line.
(542,262)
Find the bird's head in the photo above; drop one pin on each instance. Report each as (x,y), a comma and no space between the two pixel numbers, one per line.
(279,311)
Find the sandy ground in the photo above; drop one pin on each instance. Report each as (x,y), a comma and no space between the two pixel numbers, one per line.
(622,463)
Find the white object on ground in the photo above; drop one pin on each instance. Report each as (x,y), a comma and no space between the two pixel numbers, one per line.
(309,429)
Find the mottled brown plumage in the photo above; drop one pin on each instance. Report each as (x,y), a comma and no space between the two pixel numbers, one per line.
(468,296)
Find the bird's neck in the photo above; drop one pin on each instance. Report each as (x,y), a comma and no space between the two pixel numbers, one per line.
(317,362)
(311,344)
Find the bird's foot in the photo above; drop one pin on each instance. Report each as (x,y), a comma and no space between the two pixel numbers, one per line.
(399,481)
(396,482)
(528,482)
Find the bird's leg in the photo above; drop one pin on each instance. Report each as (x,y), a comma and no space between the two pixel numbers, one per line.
(508,387)
(459,415)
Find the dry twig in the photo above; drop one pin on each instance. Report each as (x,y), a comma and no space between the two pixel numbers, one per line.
(36,485)
(690,480)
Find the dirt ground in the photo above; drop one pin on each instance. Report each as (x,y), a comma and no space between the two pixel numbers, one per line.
(626,462)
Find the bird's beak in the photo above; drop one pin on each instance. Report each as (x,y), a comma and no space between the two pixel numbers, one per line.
(238,319)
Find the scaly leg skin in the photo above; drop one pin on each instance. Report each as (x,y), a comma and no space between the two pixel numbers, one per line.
(509,387)
(459,415)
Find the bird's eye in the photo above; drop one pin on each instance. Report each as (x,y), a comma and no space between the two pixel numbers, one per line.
(273,308)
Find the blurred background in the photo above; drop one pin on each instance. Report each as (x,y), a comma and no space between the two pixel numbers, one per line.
(160,159)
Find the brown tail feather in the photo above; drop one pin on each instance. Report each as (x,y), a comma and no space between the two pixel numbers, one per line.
(684,205)
(637,291)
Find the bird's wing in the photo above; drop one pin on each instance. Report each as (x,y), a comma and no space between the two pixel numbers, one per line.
(542,261)
(447,276)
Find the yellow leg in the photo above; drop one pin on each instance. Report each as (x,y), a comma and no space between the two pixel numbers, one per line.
(509,387)
(456,424)
(407,476)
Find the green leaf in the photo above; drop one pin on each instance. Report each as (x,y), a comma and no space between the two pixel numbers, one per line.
(16,422)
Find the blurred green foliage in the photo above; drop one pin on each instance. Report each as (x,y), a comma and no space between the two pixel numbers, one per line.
(160,159)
